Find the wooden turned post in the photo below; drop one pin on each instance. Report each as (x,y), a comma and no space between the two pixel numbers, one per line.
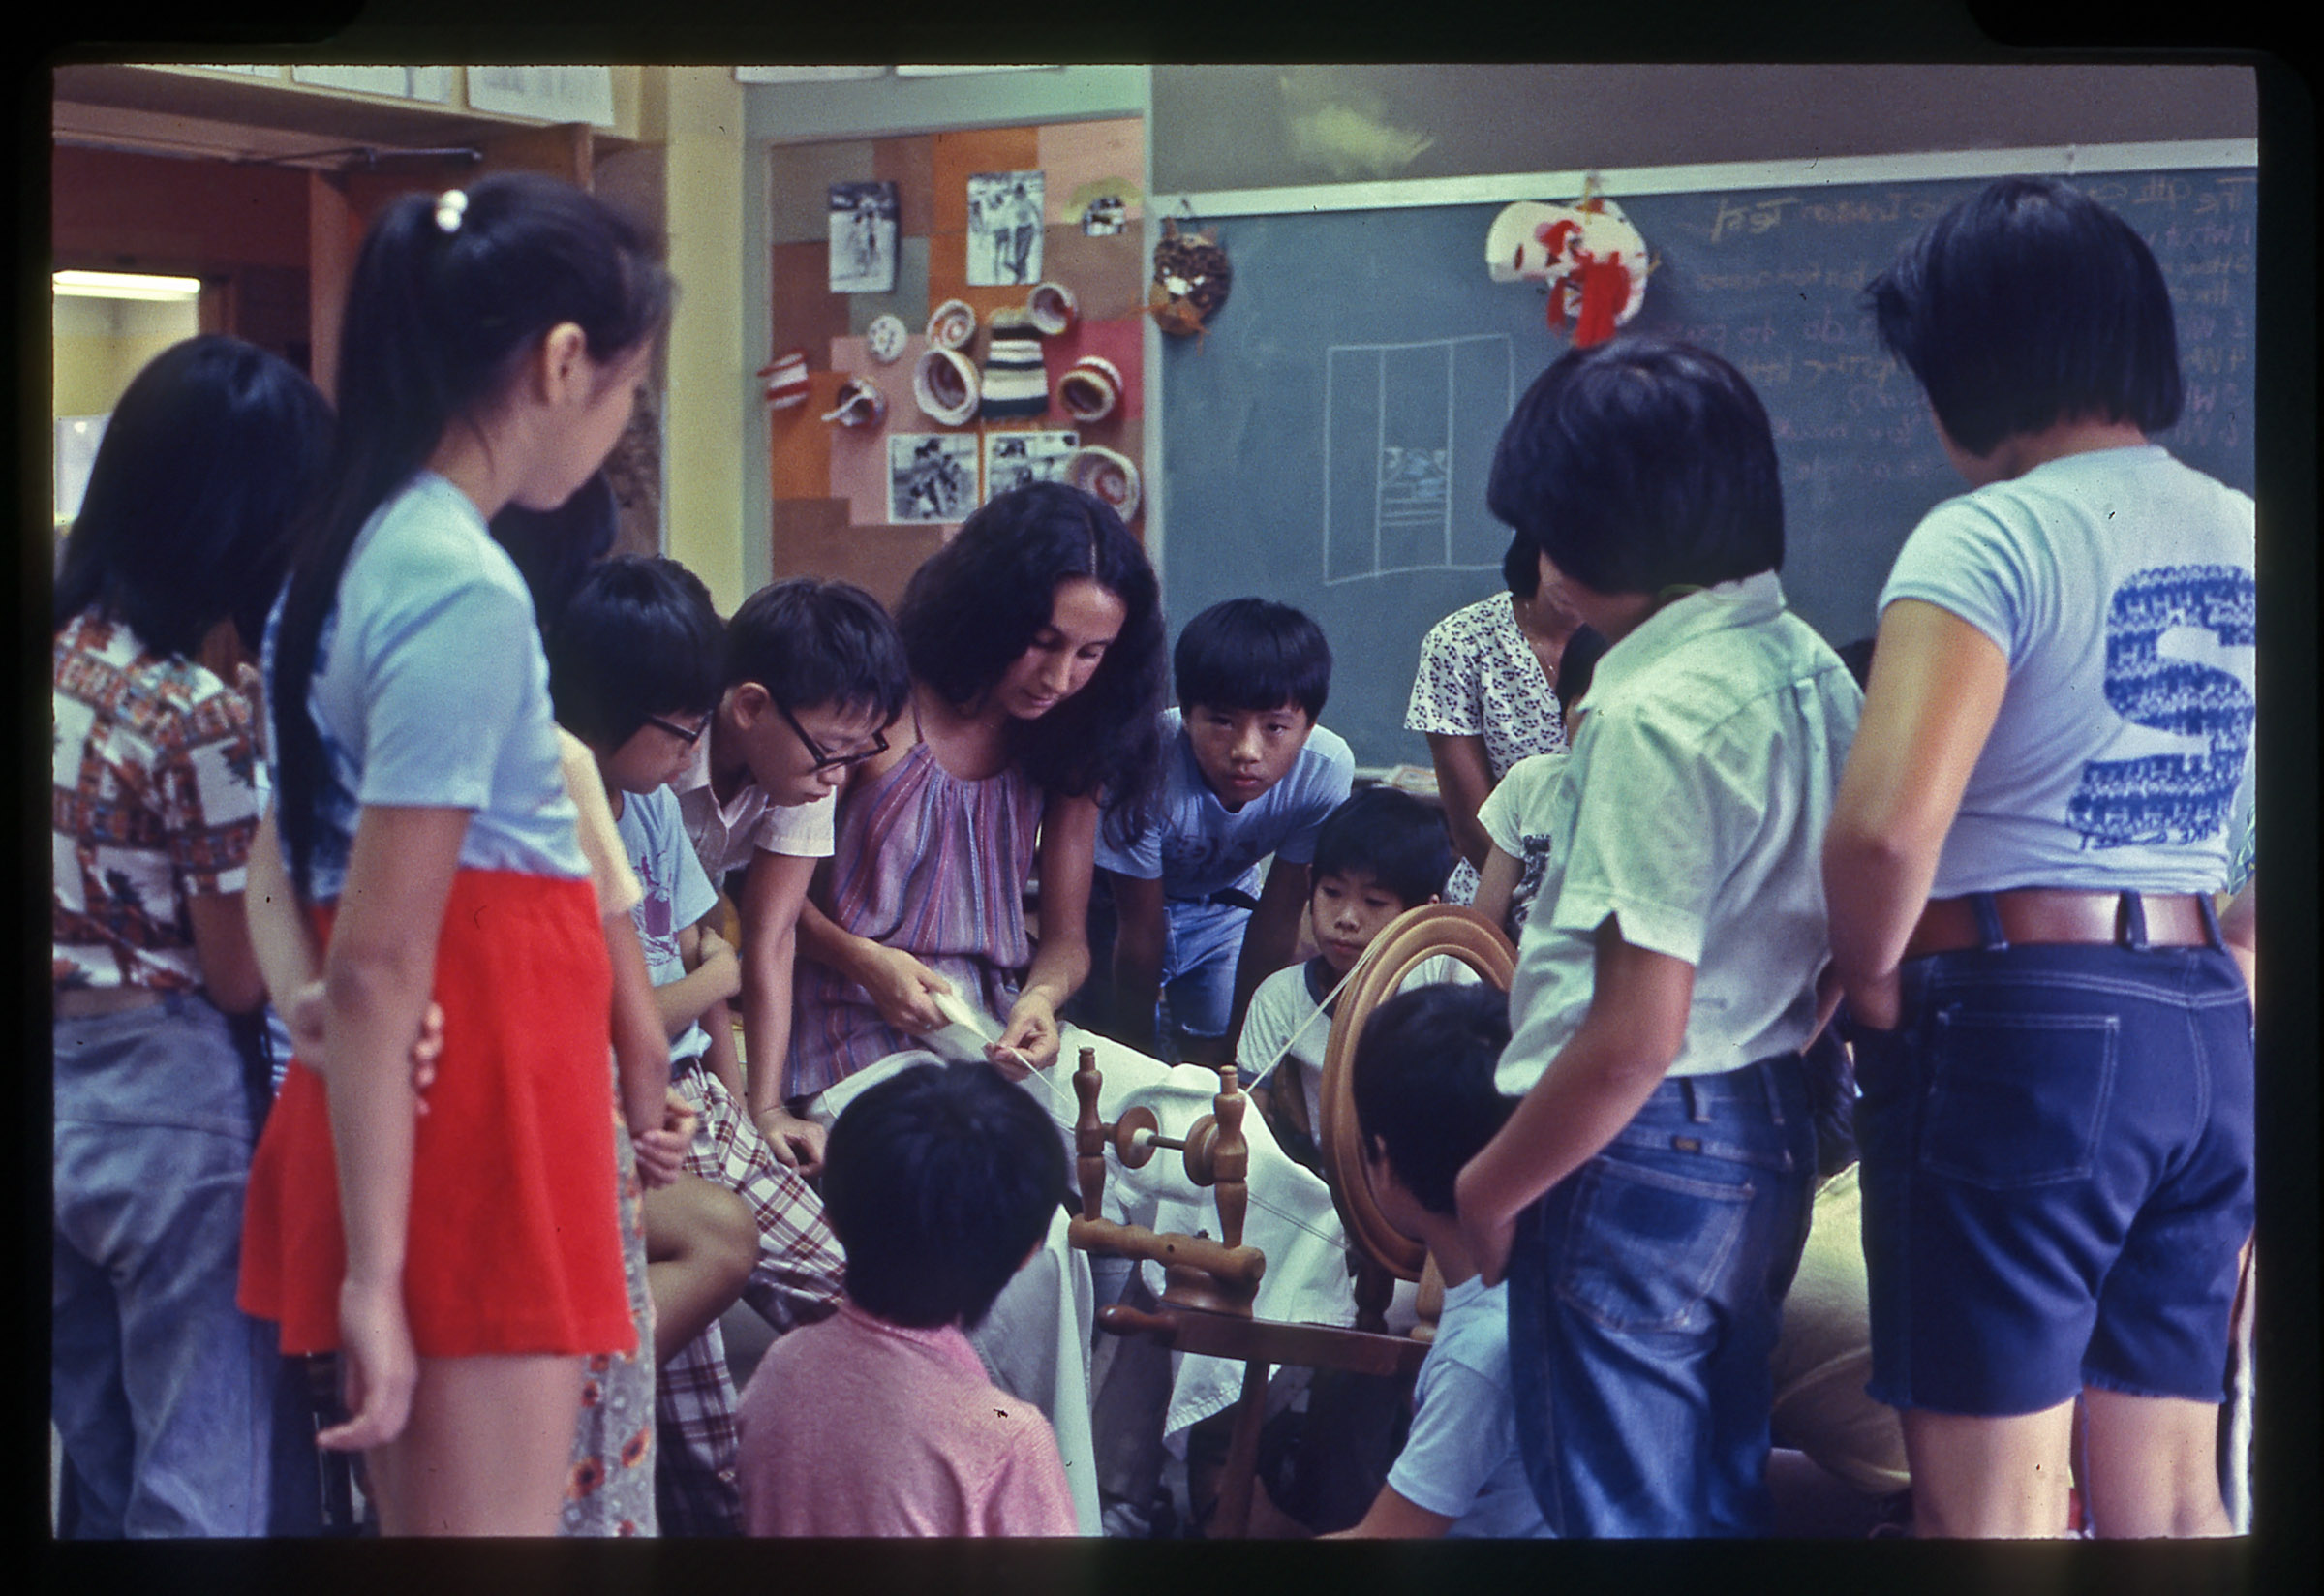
(1230,1156)
(1089,1135)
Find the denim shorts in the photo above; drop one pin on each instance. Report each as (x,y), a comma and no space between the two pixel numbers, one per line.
(2057,1171)
(1645,1292)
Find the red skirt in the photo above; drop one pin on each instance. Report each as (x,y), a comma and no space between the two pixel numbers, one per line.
(513,1242)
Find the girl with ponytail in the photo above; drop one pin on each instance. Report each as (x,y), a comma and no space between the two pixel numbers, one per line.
(455,1243)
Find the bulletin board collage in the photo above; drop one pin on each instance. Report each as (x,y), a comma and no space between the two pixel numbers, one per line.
(953,314)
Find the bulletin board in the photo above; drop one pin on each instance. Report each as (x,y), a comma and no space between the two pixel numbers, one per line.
(836,489)
(1328,445)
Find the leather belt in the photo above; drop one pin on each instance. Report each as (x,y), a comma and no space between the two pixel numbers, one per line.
(87,1002)
(2053,915)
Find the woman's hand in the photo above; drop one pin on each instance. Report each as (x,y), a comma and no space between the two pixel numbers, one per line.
(1028,1040)
(900,986)
(796,1142)
(378,1366)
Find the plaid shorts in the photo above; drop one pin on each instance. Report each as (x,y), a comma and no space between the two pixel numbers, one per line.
(795,1283)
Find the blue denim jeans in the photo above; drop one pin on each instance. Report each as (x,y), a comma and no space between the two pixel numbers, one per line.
(1645,1292)
(1201,943)
(162,1390)
(2057,1145)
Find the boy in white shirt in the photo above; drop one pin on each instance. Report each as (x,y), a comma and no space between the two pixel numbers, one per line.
(1662,1155)
(1380,853)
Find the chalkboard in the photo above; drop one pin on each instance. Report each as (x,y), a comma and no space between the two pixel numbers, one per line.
(1328,442)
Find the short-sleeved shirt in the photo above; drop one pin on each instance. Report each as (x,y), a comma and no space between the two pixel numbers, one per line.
(1460,1459)
(2120,586)
(1702,782)
(1515,817)
(1197,846)
(152,805)
(855,1427)
(726,835)
(429,690)
(677,894)
(1286,1021)
(1479,677)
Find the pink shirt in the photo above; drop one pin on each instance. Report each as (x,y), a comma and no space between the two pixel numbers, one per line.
(857,1427)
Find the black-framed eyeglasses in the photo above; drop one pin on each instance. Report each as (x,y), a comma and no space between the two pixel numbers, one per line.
(688,738)
(831,761)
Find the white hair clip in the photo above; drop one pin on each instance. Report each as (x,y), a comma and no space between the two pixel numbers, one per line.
(450,205)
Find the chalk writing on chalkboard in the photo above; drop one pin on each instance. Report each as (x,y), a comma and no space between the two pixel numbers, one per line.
(1407,439)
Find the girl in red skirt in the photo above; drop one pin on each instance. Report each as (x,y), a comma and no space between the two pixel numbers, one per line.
(465,1259)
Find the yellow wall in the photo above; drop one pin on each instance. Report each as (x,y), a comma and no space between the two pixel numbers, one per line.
(702,438)
(101,344)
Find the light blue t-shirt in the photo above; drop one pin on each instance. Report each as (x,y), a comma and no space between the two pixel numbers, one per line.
(1197,846)
(431,690)
(2120,586)
(1462,1457)
(677,894)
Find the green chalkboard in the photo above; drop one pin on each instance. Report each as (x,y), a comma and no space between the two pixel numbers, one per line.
(1326,443)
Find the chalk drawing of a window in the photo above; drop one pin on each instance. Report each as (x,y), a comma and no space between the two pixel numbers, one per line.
(1409,431)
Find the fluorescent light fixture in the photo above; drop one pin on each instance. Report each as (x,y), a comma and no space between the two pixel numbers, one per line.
(806,75)
(126,285)
(954,71)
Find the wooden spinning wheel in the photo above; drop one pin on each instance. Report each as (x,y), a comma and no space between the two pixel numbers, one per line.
(1406,942)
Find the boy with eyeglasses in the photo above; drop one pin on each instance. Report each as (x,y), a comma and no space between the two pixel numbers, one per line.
(814,674)
(719,747)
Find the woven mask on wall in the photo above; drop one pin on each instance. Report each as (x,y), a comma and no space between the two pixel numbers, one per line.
(1191,279)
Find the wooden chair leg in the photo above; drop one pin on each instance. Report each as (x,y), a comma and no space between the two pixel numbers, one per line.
(1240,1477)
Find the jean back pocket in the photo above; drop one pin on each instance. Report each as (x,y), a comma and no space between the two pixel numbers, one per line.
(2016,1099)
(1646,1247)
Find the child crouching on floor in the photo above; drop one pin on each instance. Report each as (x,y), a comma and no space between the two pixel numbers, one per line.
(1426,1104)
(941,1183)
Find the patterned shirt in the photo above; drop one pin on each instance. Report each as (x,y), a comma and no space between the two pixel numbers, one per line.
(1479,677)
(152,804)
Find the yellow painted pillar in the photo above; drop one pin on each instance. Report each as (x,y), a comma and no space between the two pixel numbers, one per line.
(704,421)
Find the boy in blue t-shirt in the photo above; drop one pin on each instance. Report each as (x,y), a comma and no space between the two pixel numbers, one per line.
(1246,772)
(1425,1103)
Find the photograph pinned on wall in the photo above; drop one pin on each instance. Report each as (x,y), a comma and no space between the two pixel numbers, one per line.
(863,237)
(1105,217)
(1012,459)
(931,475)
(1004,227)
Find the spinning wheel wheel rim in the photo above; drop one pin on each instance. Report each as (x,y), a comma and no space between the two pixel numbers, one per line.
(1407,941)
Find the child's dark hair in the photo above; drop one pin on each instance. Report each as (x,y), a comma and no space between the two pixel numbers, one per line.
(634,641)
(1642,464)
(938,1181)
(1422,1081)
(209,459)
(812,641)
(1400,840)
(446,299)
(2027,304)
(1576,667)
(555,548)
(976,604)
(1253,654)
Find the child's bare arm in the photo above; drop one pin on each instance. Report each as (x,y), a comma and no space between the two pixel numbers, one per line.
(1138,932)
(641,1049)
(712,974)
(1635,1025)
(1496,885)
(1394,1516)
(774,896)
